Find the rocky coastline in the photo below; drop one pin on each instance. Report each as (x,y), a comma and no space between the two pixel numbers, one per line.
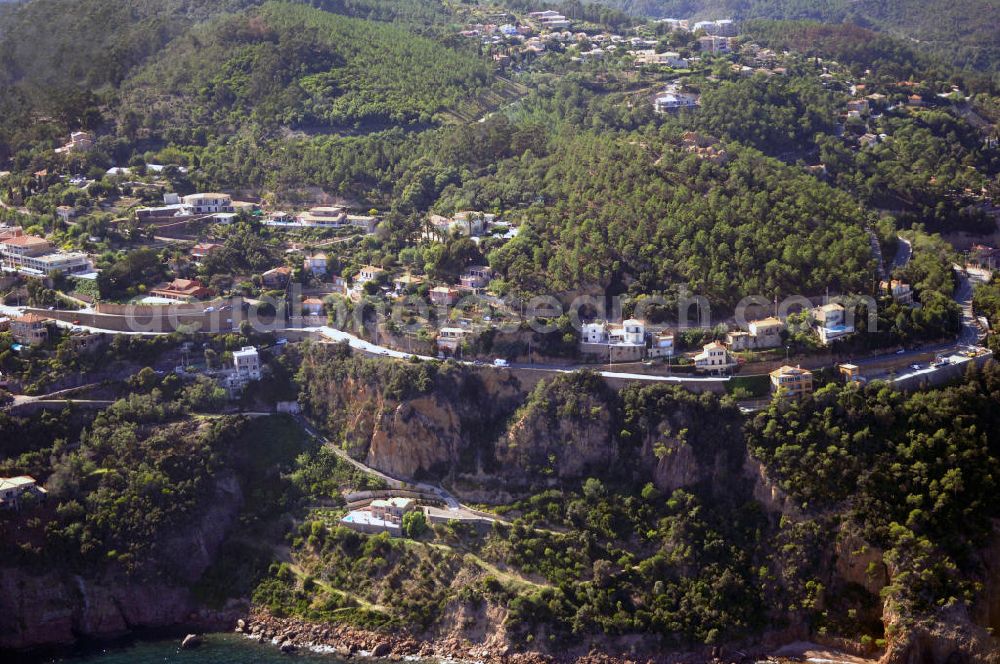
(292,634)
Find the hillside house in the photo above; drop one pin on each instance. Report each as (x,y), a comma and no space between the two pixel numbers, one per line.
(209,203)
(831,322)
(649,56)
(333,216)
(450,338)
(312,306)
(713,44)
(406,282)
(444,295)
(662,346)
(392,509)
(14,489)
(277,277)
(203,250)
(30,329)
(368,273)
(714,358)
(182,290)
(594,333)
(316,264)
(246,361)
(898,290)
(476,277)
(791,382)
(34,256)
(79,141)
(761,334)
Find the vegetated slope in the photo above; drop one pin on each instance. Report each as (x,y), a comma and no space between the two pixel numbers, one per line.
(294,65)
(965,30)
(636,210)
(644,513)
(84,44)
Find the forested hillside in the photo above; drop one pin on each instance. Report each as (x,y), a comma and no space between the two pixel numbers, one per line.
(294,65)
(638,211)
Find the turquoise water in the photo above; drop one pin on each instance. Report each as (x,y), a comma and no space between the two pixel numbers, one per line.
(216,649)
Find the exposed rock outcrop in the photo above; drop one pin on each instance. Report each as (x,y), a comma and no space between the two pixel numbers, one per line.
(53,608)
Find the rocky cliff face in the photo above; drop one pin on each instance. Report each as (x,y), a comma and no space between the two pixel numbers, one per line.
(412,421)
(52,608)
(563,431)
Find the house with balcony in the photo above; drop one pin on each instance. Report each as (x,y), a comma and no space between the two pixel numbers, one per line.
(209,203)
(30,329)
(714,358)
(661,346)
(791,382)
(476,277)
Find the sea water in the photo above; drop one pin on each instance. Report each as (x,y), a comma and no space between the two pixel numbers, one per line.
(215,649)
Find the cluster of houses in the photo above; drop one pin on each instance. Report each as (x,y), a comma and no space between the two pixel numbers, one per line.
(631,341)
(33,256)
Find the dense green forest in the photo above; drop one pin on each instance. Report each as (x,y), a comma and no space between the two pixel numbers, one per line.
(287,64)
(636,212)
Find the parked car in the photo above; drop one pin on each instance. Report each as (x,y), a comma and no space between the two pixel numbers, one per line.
(501,363)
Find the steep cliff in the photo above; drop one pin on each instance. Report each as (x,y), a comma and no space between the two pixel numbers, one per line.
(409,420)
(564,431)
(44,608)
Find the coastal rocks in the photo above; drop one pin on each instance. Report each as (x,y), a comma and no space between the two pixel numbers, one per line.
(190,642)
(382,649)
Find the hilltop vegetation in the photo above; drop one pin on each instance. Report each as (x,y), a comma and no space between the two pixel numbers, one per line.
(635,212)
(288,64)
